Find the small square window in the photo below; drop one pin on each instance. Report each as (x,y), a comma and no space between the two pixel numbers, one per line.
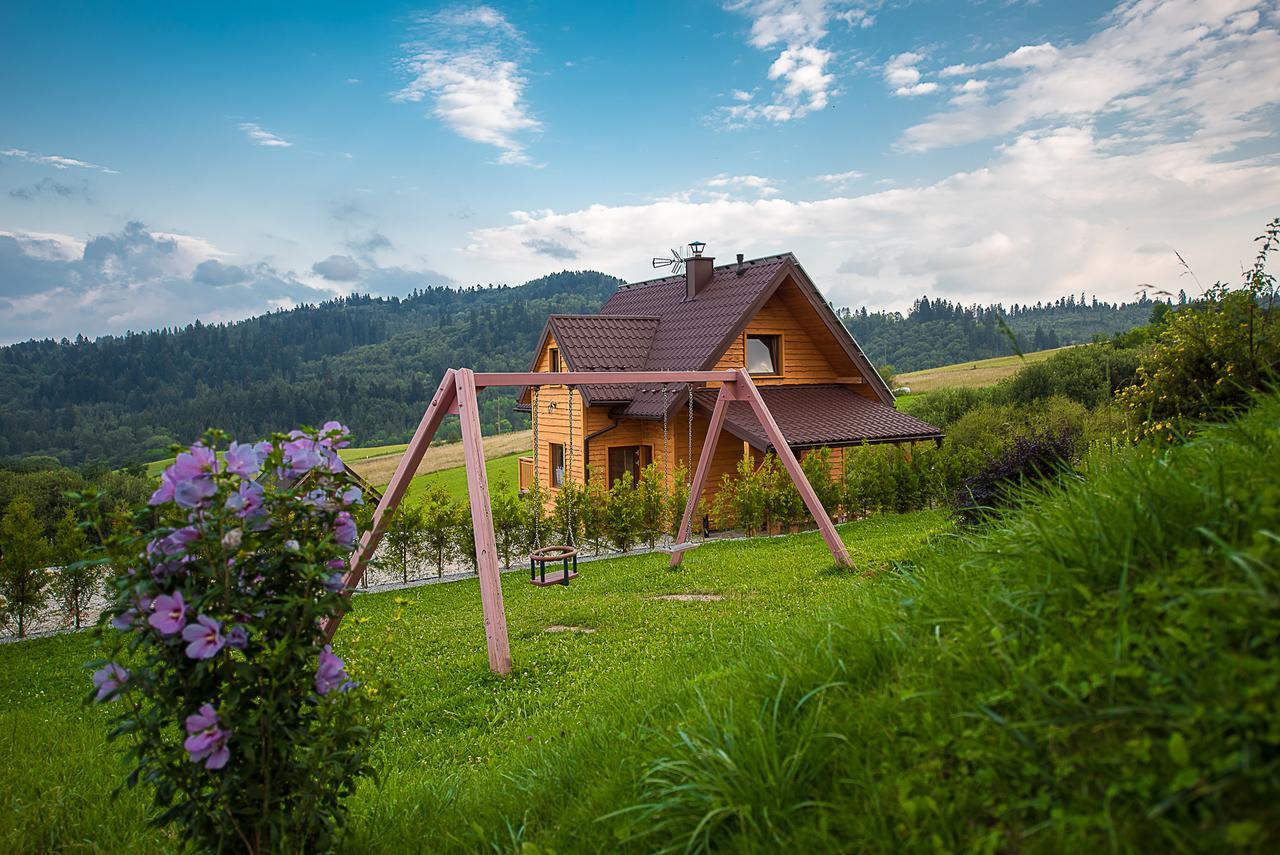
(762,354)
(556,456)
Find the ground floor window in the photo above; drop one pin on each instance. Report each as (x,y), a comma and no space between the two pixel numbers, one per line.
(556,456)
(628,458)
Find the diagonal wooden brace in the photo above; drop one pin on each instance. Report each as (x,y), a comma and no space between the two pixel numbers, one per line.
(748,392)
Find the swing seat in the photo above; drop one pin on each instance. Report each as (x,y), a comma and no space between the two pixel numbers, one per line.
(539,558)
(678,548)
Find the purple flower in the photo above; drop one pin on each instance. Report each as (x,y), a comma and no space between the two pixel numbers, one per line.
(204,637)
(176,541)
(170,613)
(344,529)
(342,440)
(127,618)
(109,681)
(336,583)
(352,496)
(244,460)
(331,674)
(207,740)
(318,499)
(238,637)
(189,481)
(300,455)
(246,502)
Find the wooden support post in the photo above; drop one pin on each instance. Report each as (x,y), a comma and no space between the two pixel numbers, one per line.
(747,391)
(495,616)
(704,468)
(441,404)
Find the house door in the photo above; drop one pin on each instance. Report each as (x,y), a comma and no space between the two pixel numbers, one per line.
(628,458)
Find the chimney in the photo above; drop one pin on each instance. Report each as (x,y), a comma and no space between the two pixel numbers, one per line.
(739,264)
(698,270)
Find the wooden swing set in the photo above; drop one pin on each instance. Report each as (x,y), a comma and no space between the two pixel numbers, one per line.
(457,395)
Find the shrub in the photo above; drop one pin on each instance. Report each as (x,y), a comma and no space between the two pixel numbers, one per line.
(508,521)
(1029,459)
(405,536)
(440,514)
(651,497)
(595,500)
(1209,359)
(24,554)
(817,468)
(623,514)
(677,501)
(239,716)
(77,580)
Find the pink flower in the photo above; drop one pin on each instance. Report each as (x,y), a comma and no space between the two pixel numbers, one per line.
(204,637)
(169,613)
(109,681)
(207,740)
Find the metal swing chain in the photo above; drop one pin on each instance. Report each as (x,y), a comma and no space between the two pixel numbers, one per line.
(666,445)
(537,474)
(568,466)
(688,461)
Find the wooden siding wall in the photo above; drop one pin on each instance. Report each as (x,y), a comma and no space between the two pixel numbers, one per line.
(553,424)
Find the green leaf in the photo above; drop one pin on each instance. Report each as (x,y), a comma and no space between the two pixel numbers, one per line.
(1178,751)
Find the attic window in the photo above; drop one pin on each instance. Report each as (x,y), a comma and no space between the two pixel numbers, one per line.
(555,358)
(763,353)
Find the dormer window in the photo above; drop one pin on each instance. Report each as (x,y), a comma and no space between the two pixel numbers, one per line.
(764,354)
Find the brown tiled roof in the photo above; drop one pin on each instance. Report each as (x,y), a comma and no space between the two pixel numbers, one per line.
(604,343)
(811,416)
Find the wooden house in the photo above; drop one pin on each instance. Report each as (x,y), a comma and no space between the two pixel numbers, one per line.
(764,314)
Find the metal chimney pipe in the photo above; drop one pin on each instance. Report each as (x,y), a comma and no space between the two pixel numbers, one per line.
(739,264)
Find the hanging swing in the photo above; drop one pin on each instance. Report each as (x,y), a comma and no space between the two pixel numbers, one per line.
(565,554)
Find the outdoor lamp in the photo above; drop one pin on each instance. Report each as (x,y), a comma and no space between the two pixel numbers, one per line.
(697,247)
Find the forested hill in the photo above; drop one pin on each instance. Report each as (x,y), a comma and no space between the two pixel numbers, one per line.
(371,362)
(938,332)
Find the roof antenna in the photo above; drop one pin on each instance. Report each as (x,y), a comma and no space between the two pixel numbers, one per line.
(675,262)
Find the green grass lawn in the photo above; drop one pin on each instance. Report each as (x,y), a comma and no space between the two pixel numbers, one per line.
(454,727)
(1095,671)
(455,480)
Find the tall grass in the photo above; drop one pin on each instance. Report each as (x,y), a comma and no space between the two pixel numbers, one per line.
(1096,670)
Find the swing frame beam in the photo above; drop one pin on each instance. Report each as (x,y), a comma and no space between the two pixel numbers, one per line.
(457,395)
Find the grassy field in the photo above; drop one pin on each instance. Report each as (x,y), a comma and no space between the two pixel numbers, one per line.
(455,480)
(455,730)
(983,372)
(1096,671)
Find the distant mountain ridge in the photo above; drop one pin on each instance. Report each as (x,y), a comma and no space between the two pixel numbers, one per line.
(373,363)
(938,332)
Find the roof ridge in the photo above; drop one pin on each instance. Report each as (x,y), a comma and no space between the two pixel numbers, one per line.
(746,262)
(584,315)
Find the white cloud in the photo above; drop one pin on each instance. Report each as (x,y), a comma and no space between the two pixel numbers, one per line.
(801,70)
(1053,212)
(762,187)
(839,179)
(57,161)
(1155,71)
(468,62)
(903,76)
(260,136)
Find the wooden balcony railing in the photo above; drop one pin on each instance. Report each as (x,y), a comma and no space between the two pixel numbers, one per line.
(525,473)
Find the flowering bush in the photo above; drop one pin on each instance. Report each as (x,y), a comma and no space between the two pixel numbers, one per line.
(1210,358)
(238,714)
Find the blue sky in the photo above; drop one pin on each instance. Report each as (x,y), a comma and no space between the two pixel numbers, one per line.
(159,164)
